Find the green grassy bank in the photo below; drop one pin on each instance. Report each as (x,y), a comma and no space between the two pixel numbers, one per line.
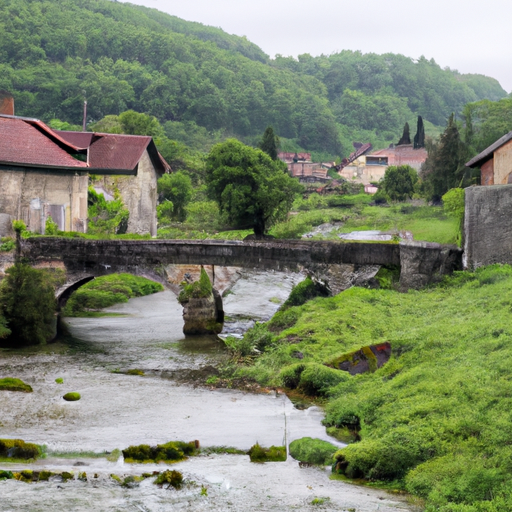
(106,291)
(436,419)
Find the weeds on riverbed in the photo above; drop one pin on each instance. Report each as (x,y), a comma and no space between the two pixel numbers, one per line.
(170,452)
(273,454)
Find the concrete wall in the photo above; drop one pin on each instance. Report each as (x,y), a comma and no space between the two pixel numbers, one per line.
(487,226)
(33,196)
(139,196)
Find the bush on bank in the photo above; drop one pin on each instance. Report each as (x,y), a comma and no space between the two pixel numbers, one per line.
(106,291)
(436,418)
(28,305)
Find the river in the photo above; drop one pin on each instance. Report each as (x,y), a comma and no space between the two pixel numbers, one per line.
(117,410)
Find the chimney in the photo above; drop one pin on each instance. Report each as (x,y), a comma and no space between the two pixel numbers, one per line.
(6,103)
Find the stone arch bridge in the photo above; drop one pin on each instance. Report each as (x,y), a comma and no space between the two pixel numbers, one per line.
(84,259)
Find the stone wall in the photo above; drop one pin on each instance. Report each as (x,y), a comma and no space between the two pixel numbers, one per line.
(33,196)
(487,226)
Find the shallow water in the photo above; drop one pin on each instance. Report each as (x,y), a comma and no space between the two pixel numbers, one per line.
(117,410)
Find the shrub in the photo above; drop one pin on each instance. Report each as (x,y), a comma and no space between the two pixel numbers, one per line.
(7,244)
(19,449)
(312,378)
(313,451)
(171,477)
(304,291)
(259,336)
(50,227)
(240,347)
(290,376)
(10,384)
(197,290)
(27,301)
(273,454)
(317,379)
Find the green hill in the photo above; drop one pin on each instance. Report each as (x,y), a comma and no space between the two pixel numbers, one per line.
(121,56)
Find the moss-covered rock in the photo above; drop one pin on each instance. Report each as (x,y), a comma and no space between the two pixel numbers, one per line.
(12,384)
(19,449)
(273,454)
(73,396)
(366,359)
(312,451)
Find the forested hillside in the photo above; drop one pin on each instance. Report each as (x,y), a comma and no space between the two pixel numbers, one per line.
(121,56)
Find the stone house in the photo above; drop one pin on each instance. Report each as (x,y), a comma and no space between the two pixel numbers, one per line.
(128,164)
(495,162)
(44,172)
(41,176)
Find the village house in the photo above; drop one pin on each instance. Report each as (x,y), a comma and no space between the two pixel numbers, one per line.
(369,167)
(495,162)
(44,172)
(301,166)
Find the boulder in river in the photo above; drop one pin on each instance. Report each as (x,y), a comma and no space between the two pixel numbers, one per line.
(202,307)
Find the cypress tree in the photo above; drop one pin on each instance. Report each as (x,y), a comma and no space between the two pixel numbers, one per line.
(406,136)
(419,138)
(269,143)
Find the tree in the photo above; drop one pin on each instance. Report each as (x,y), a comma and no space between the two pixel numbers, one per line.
(406,136)
(177,188)
(269,143)
(27,301)
(419,138)
(399,181)
(250,188)
(444,167)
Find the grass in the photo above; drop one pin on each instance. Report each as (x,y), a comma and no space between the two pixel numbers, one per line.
(435,420)
(106,291)
(312,451)
(426,223)
(12,384)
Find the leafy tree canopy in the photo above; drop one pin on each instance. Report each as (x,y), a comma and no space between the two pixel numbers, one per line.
(124,57)
(27,301)
(398,182)
(176,188)
(250,188)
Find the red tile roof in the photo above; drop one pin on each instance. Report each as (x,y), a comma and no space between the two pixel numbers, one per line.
(110,151)
(31,142)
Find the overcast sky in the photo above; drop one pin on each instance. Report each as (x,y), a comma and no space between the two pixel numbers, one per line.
(472,36)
